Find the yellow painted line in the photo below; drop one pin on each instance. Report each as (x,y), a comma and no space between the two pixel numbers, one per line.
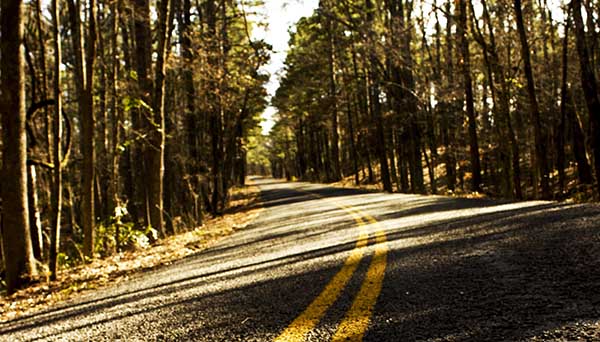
(355,323)
(309,318)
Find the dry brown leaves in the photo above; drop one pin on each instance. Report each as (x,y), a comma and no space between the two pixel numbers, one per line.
(242,210)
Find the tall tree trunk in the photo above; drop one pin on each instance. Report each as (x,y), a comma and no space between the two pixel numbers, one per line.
(116,119)
(590,87)
(115,112)
(335,136)
(83,84)
(226,118)
(540,142)
(375,104)
(56,196)
(447,116)
(87,136)
(191,116)
(143,119)
(468,88)
(155,154)
(214,106)
(18,254)
(560,135)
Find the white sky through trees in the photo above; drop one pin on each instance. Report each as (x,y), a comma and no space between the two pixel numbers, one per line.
(280,16)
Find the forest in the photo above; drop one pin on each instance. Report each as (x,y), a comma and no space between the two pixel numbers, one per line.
(123,122)
(127,121)
(489,97)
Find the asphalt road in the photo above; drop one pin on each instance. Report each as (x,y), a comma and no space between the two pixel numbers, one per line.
(323,263)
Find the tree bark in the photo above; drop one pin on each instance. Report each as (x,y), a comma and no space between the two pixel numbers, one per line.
(35,221)
(540,141)
(56,195)
(83,83)
(143,118)
(335,136)
(375,104)
(17,249)
(115,112)
(590,87)
(560,135)
(155,154)
(447,121)
(468,89)
(87,137)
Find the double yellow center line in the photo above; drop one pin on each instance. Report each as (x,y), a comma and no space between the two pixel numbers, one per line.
(356,321)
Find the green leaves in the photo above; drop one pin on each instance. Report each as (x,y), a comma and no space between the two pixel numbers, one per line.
(130,103)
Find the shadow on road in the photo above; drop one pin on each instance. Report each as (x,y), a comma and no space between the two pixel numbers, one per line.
(458,270)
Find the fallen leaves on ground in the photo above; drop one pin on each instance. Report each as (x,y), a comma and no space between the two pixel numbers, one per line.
(242,210)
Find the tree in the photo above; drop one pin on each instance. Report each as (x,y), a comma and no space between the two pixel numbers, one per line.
(57,189)
(135,86)
(84,71)
(373,96)
(589,85)
(151,111)
(465,63)
(156,152)
(18,253)
(540,141)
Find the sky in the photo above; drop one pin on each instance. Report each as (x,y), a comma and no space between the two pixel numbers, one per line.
(279,16)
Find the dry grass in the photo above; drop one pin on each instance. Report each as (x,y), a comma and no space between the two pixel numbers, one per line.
(574,191)
(242,210)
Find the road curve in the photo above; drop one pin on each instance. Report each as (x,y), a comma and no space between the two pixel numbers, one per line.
(331,264)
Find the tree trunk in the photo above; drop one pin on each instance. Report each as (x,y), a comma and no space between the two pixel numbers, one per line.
(143,118)
(215,119)
(56,199)
(590,87)
(375,104)
(402,169)
(353,152)
(335,137)
(540,141)
(87,137)
(468,88)
(155,154)
(584,170)
(560,135)
(16,239)
(447,115)
(37,242)
(83,84)
(115,113)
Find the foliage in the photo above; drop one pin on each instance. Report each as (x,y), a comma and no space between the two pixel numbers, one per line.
(382,86)
(129,236)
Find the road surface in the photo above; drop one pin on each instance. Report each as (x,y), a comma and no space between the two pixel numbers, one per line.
(331,264)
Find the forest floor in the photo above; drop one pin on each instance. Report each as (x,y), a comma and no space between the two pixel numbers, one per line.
(574,192)
(242,209)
